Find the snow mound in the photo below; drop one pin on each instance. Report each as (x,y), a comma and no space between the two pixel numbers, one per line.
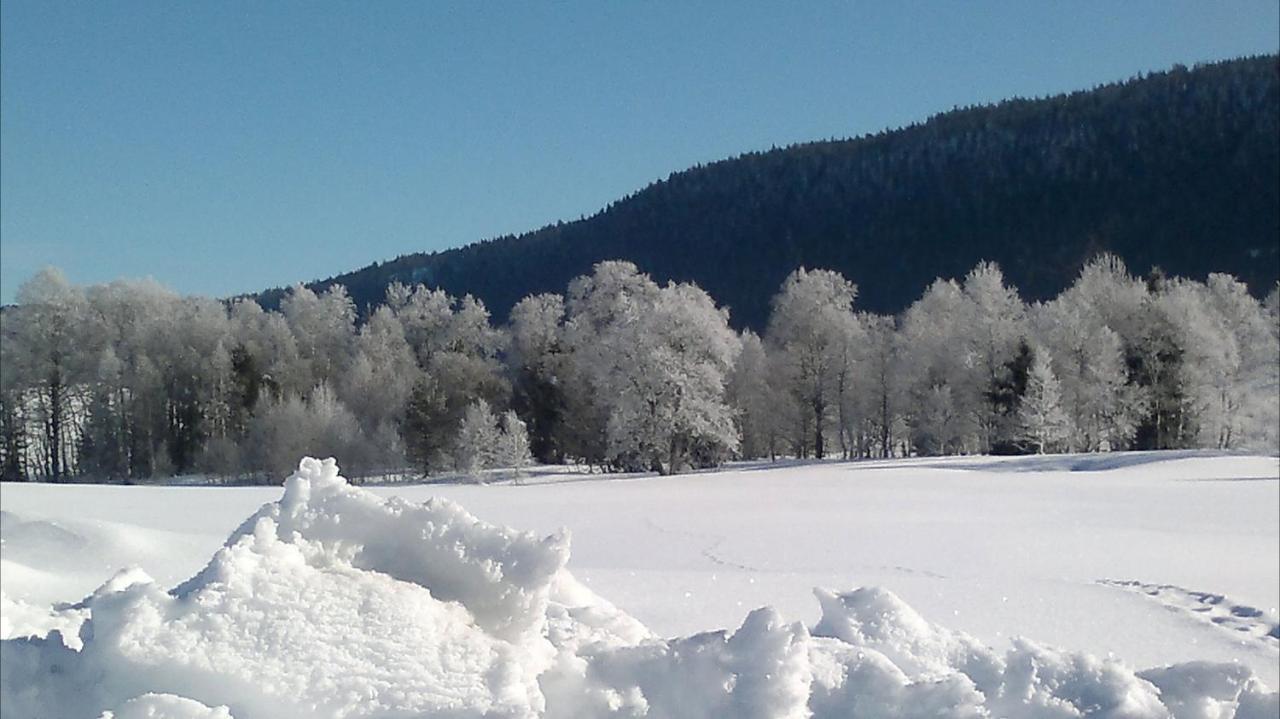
(165,706)
(502,577)
(333,602)
(876,657)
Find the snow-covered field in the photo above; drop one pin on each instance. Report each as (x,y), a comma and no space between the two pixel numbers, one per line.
(1147,558)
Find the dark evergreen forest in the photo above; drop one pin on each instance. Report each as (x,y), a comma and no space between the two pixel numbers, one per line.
(1177,170)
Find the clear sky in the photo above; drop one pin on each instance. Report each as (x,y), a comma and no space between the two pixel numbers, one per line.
(223,147)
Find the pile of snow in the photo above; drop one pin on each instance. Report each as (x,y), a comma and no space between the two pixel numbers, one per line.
(334,602)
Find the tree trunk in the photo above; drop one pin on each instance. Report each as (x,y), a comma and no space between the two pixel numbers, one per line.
(56,468)
(884,425)
(819,408)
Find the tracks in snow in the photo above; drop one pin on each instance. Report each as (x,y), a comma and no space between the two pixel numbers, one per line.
(707,551)
(713,542)
(1242,620)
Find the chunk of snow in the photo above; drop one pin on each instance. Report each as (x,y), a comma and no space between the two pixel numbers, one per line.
(761,670)
(20,619)
(1203,690)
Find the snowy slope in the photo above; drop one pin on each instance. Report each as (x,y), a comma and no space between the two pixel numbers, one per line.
(1155,558)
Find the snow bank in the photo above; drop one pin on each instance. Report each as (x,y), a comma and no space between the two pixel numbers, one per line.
(333,602)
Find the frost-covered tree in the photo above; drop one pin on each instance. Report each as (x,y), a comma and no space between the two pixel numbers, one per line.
(538,362)
(878,394)
(459,357)
(667,382)
(1163,358)
(129,380)
(938,370)
(103,449)
(1229,363)
(1090,330)
(1247,406)
(811,330)
(151,389)
(852,410)
(1089,360)
(323,327)
(651,362)
(597,305)
(13,415)
(939,425)
(266,358)
(996,330)
(54,355)
(754,400)
(320,425)
(484,442)
(192,361)
(513,452)
(970,340)
(381,380)
(1115,297)
(476,445)
(1041,421)
(425,314)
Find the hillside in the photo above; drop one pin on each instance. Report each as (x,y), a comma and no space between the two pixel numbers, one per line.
(1177,169)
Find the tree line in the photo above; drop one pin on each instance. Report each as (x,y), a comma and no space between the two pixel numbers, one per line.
(129,381)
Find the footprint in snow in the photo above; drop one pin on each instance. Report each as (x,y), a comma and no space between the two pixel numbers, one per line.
(1216,609)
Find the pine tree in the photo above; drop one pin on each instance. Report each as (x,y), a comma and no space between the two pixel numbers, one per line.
(1041,419)
(513,452)
(476,444)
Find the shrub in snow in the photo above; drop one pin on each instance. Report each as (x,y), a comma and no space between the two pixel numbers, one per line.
(334,602)
(294,427)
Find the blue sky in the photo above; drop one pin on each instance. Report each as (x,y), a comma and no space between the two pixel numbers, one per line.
(231,146)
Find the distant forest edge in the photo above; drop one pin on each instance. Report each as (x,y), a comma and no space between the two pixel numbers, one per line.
(1176,170)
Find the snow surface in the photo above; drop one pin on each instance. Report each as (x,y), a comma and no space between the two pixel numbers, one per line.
(333,600)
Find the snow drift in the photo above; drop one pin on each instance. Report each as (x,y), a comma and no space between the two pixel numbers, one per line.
(333,602)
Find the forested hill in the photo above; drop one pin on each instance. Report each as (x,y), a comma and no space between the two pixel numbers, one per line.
(1177,169)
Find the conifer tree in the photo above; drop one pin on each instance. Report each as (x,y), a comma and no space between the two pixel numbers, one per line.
(1041,420)
(513,452)
(476,445)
